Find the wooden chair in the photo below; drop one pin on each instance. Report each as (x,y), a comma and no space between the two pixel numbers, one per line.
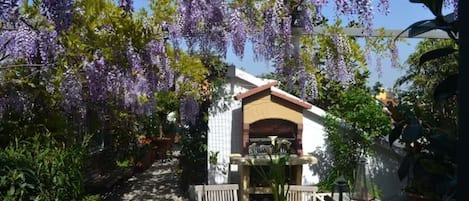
(304,193)
(219,192)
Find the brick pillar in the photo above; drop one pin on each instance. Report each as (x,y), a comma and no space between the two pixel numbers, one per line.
(299,174)
(244,186)
(245,139)
(299,139)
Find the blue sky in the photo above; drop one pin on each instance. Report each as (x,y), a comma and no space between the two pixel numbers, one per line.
(402,14)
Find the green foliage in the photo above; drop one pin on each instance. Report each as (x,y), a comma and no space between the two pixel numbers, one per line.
(213,158)
(124,163)
(377,88)
(354,122)
(41,169)
(96,197)
(40,118)
(193,160)
(426,119)
(423,76)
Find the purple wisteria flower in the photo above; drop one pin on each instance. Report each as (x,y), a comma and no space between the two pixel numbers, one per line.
(383,6)
(175,34)
(48,47)
(71,90)
(95,73)
(337,67)
(156,55)
(139,91)
(126,5)
(216,34)
(362,8)
(59,11)
(9,10)
(394,55)
(21,43)
(238,32)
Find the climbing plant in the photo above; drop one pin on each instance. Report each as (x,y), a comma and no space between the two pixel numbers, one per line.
(353,124)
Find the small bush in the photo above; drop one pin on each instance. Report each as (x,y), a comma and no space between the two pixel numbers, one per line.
(41,169)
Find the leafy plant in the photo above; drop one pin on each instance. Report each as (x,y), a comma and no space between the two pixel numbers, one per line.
(41,169)
(274,174)
(96,197)
(213,158)
(425,121)
(430,162)
(353,124)
(447,23)
(125,163)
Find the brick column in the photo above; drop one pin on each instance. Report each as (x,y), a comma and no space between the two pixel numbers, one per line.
(245,139)
(299,174)
(299,139)
(244,186)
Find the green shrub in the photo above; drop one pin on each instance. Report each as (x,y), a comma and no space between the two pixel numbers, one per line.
(41,169)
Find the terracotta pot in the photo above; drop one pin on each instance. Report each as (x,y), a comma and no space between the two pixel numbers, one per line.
(139,167)
(163,145)
(145,162)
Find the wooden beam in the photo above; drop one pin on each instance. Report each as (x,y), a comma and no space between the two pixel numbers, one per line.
(358,32)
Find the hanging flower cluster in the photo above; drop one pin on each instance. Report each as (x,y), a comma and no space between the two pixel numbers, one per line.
(99,83)
(9,10)
(268,26)
(238,32)
(336,64)
(205,25)
(58,11)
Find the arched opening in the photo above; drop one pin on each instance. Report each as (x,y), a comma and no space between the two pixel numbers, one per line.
(260,131)
(277,127)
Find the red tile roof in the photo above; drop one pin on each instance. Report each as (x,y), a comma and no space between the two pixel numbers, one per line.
(256,90)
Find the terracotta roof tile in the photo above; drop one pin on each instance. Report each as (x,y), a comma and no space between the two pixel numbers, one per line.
(255,90)
(292,100)
(274,93)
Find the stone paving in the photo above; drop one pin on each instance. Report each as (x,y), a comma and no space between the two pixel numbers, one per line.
(157,183)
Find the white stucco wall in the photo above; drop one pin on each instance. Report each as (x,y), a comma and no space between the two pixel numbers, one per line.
(219,140)
(382,168)
(225,129)
(313,140)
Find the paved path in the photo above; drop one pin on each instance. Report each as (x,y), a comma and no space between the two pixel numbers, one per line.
(157,183)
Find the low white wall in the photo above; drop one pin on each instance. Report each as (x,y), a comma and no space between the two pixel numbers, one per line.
(313,144)
(382,166)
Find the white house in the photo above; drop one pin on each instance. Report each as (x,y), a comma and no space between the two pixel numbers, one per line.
(257,109)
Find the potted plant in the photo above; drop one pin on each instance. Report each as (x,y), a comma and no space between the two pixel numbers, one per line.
(145,154)
(217,169)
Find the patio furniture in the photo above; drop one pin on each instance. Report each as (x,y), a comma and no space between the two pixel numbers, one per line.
(305,193)
(219,192)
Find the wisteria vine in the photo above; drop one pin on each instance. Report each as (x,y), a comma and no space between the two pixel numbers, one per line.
(206,26)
